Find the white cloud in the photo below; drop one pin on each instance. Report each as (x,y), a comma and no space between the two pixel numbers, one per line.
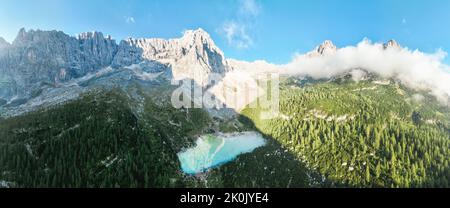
(130,20)
(238,31)
(249,7)
(236,35)
(414,69)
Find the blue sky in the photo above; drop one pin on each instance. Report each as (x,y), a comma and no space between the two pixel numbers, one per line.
(272,30)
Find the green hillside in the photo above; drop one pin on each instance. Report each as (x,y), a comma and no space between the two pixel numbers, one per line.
(104,139)
(336,133)
(96,141)
(363,134)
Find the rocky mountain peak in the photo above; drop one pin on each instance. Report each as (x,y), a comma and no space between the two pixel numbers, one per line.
(25,37)
(195,52)
(99,48)
(391,44)
(22,34)
(37,57)
(93,35)
(199,35)
(198,32)
(326,48)
(3,43)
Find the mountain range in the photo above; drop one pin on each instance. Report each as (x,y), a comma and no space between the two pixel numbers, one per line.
(87,111)
(40,57)
(39,62)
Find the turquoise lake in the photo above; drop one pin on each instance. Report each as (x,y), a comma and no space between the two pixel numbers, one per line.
(213,150)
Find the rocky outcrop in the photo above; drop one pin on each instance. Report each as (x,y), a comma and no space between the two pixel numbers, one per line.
(100,50)
(3,43)
(192,56)
(326,48)
(37,58)
(391,44)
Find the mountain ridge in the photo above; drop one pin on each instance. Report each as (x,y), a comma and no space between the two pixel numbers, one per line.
(110,104)
(37,57)
(37,60)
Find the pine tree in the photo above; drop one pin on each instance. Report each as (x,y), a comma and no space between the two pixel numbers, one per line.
(367,173)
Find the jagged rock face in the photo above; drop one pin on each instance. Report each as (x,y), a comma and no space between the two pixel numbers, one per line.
(326,48)
(193,56)
(128,53)
(3,49)
(100,50)
(49,58)
(7,84)
(391,44)
(3,43)
(53,49)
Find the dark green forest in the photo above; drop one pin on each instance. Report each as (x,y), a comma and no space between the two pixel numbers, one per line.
(363,134)
(96,141)
(101,140)
(336,133)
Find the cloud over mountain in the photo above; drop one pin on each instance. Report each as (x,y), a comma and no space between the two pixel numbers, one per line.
(412,68)
(415,69)
(238,31)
